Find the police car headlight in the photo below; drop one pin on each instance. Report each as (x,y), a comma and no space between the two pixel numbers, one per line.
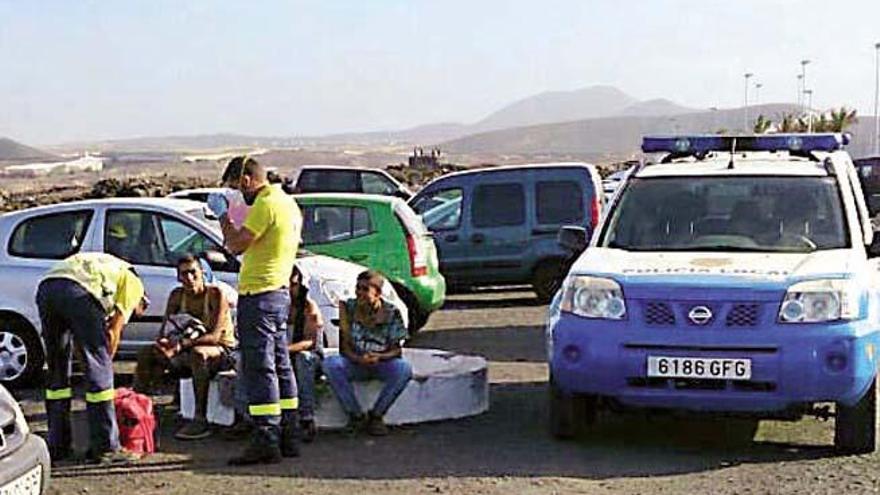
(593,297)
(816,301)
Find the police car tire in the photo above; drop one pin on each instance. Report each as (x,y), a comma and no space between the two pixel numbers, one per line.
(569,414)
(33,347)
(855,427)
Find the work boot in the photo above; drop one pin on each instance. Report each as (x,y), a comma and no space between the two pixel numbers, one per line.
(289,434)
(194,430)
(309,430)
(376,426)
(263,448)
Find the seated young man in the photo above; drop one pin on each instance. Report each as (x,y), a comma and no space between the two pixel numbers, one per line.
(306,346)
(371,333)
(202,311)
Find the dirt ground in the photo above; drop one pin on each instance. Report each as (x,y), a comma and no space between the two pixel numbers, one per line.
(507,450)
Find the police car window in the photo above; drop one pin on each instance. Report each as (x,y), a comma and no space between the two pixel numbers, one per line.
(54,236)
(764,214)
(499,205)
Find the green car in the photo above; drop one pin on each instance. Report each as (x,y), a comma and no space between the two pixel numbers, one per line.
(382,233)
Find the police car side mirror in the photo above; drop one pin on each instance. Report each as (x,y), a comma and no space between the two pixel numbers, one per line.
(573,238)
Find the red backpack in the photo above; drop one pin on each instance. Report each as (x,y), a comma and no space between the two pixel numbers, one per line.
(137,422)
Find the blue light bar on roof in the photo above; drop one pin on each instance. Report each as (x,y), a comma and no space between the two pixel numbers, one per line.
(687,145)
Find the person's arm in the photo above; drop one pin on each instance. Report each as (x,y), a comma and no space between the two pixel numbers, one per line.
(313,323)
(236,240)
(215,333)
(346,346)
(115,325)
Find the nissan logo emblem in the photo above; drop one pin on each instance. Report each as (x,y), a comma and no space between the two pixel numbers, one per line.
(700,315)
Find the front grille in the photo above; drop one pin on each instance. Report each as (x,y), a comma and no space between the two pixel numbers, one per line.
(743,315)
(659,314)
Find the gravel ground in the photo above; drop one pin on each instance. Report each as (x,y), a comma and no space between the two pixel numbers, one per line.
(506,450)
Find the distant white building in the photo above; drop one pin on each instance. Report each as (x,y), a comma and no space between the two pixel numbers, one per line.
(86,163)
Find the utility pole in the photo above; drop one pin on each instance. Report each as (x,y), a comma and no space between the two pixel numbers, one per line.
(800,91)
(747,76)
(758,87)
(808,97)
(804,80)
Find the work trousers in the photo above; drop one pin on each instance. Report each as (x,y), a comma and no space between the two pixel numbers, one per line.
(268,375)
(69,314)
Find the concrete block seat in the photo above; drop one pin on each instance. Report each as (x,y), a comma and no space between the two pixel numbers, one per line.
(445,385)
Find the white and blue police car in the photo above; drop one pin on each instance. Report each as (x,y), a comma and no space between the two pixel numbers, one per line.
(737,277)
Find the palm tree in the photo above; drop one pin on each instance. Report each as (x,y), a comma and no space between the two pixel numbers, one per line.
(762,125)
(839,120)
(788,123)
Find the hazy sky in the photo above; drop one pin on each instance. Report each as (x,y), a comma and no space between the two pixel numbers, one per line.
(72,70)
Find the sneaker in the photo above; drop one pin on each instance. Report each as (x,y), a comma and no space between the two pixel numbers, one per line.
(355,424)
(309,430)
(194,430)
(376,426)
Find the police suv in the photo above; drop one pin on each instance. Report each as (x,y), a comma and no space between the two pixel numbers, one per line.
(737,277)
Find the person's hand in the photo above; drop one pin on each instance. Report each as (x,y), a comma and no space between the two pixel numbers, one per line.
(218,204)
(370,359)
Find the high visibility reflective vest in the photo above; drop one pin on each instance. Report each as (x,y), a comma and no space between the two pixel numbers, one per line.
(103,276)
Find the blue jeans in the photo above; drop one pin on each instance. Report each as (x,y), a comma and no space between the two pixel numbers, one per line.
(305,364)
(395,374)
(266,369)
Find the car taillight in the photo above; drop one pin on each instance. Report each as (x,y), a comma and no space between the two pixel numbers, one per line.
(418,261)
(595,210)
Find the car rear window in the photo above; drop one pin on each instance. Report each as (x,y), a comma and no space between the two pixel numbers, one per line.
(559,202)
(325,224)
(499,205)
(54,236)
(327,181)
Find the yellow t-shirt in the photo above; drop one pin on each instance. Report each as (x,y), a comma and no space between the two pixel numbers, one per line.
(275,221)
(106,277)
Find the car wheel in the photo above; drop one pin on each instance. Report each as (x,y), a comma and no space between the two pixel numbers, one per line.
(546,280)
(21,353)
(570,414)
(855,427)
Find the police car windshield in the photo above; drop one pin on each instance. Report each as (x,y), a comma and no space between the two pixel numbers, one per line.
(742,213)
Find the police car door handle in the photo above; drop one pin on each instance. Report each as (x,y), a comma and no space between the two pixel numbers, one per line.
(478,238)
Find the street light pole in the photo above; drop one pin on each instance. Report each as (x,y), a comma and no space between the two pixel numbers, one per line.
(808,93)
(876,99)
(804,79)
(800,91)
(747,76)
(758,87)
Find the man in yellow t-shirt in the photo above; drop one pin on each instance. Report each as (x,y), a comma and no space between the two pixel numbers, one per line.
(86,299)
(268,240)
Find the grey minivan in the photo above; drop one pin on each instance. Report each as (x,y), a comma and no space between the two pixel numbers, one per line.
(499,226)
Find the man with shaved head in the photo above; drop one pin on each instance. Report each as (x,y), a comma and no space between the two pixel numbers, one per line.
(268,240)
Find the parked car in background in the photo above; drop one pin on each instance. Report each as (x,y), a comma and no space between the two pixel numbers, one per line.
(150,233)
(329,178)
(611,183)
(498,226)
(24,458)
(383,233)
